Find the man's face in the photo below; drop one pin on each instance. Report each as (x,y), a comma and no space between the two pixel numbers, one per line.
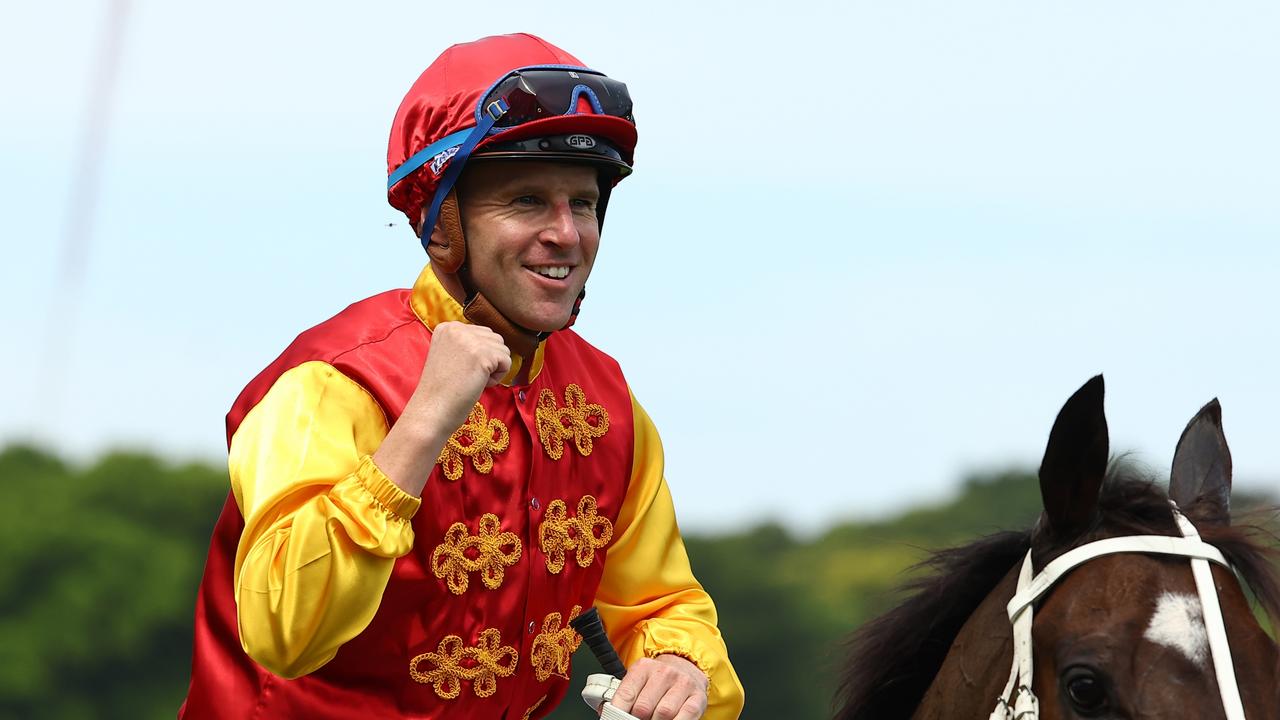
(532,236)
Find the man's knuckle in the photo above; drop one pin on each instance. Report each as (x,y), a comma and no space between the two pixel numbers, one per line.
(666,711)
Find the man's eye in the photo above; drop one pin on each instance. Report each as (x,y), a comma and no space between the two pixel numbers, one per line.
(526,200)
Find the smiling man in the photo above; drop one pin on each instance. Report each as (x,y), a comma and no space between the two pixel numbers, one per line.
(428,487)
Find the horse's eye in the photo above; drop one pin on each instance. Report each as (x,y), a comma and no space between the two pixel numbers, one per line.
(1086,691)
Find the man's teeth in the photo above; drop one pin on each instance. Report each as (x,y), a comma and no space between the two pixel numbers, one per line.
(557,272)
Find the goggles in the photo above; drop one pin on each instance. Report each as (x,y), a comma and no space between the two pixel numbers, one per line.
(540,92)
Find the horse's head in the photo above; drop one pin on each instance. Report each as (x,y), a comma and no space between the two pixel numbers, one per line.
(1124,635)
(1121,635)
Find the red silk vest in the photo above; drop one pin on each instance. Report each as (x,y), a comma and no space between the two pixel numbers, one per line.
(544,466)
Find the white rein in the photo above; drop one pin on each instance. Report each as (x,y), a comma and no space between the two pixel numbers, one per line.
(1025,706)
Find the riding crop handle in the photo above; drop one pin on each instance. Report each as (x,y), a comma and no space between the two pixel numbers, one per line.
(590,627)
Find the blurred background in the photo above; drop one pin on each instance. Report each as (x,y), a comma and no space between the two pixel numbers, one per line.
(868,251)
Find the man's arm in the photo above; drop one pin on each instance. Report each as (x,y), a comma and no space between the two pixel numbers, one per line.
(661,619)
(327,492)
(323,525)
(464,360)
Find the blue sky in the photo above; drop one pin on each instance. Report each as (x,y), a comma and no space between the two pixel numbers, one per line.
(868,247)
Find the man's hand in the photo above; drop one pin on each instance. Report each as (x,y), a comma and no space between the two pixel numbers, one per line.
(463,361)
(667,687)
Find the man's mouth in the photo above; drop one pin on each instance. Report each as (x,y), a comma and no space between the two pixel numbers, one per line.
(555,272)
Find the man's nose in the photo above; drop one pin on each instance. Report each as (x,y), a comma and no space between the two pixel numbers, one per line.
(561,228)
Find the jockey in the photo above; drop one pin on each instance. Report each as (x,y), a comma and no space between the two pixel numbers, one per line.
(427,487)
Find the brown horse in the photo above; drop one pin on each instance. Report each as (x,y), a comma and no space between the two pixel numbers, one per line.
(1120,636)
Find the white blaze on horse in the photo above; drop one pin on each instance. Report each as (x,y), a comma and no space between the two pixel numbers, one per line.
(1122,602)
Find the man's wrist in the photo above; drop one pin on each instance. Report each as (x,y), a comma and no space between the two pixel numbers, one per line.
(409,452)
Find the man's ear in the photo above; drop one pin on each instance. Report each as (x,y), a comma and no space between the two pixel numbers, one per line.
(437,234)
(417,224)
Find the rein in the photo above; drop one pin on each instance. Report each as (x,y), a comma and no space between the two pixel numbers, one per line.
(1021,608)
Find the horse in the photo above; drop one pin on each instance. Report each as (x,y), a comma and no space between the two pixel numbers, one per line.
(1128,634)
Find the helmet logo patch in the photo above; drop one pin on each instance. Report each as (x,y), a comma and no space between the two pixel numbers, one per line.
(438,162)
(581,142)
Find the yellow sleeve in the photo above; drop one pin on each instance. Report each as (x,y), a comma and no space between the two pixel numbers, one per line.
(648,598)
(323,526)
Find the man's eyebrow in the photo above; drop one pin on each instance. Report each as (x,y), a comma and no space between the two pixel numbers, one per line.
(527,186)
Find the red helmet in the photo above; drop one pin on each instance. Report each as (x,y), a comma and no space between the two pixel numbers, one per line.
(444,108)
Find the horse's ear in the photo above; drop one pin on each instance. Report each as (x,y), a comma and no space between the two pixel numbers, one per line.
(1075,462)
(1202,467)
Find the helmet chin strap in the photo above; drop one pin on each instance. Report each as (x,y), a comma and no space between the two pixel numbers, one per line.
(450,256)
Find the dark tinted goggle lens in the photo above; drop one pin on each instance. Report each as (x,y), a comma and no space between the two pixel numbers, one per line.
(536,94)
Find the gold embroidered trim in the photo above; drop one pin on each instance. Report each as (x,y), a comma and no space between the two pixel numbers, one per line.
(529,713)
(494,551)
(558,533)
(554,646)
(579,420)
(478,438)
(487,661)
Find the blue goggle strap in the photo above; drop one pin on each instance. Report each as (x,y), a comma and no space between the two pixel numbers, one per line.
(457,161)
(423,156)
(444,144)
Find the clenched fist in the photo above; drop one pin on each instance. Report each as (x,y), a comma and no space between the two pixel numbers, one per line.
(463,360)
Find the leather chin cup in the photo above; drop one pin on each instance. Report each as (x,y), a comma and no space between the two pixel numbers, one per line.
(449,256)
(519,340)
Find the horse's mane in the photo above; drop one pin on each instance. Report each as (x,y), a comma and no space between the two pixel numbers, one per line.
(894,658)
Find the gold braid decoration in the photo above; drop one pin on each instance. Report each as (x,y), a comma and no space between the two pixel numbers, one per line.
(554,646)
(558,533)
(489,660)
(579,420)
(494,552)
(529,713)
(483,436)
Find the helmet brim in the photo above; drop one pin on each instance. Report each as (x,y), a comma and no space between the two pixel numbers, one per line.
(614,168)
(576,148)
(617,131)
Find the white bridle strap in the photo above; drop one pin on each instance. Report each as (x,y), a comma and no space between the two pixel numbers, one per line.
(1026,705)
(1219,647)
(1192,547)
(1021,612)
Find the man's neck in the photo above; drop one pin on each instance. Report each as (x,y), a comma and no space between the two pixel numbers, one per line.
(438,297)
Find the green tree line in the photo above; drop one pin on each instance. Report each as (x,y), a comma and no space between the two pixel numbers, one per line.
(99,567)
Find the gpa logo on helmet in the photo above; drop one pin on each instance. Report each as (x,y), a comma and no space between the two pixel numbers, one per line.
(580,142)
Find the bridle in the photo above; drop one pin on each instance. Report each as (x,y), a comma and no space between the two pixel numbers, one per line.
(1026,706)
